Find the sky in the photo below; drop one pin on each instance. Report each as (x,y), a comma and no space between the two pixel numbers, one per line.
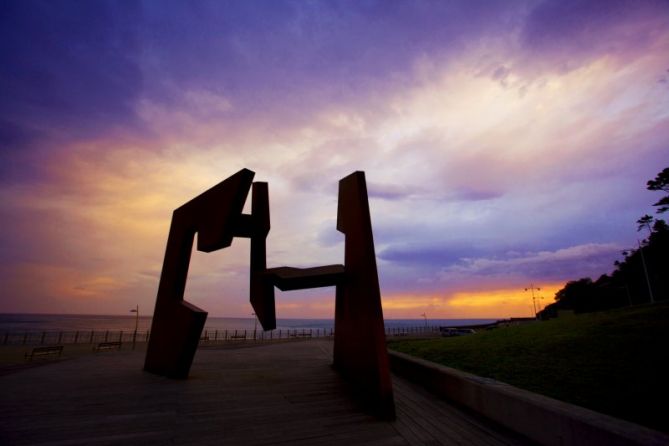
(506,145)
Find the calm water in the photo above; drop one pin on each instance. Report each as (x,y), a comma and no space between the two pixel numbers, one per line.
(74,322)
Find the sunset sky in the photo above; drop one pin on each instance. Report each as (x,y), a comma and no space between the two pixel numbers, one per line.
(505,143)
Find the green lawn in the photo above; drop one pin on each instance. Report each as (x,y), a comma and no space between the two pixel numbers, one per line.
(615,362)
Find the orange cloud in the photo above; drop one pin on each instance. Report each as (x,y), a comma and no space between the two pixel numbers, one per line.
(495,303)
(505,302)
(63,288)
(309,307)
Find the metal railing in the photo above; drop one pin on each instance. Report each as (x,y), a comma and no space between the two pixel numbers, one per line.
(72,337)
(208,336)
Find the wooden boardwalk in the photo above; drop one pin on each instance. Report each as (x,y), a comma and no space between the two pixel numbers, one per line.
(272,394)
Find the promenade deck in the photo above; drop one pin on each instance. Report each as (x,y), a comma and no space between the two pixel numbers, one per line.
(270,394)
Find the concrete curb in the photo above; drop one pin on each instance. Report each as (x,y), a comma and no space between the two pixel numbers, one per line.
(542,419)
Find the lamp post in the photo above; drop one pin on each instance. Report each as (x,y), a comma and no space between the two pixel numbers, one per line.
(425,316)
(255,326)
(539,305)
(645,271)
(534,299)
(134,334)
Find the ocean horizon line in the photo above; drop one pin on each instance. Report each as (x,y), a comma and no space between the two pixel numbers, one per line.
(12,322)
(243,317)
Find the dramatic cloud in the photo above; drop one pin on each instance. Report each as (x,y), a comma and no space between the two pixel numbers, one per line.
(574,30)
(553,265)
(504,143)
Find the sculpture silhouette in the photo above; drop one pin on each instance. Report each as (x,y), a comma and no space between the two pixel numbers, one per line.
(261,291)
(216,216)
(360,353)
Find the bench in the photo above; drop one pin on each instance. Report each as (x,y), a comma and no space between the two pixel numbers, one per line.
(103,346)
(44,351)
(300,335)
(243,336)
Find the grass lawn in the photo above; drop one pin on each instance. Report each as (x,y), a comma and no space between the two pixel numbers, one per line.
(615,362)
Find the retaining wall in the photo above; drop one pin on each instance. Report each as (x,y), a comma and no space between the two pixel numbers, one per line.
(542,419)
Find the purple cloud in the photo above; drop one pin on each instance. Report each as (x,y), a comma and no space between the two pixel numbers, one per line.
(439,256)
(480,170)
(69,64)
(565,31)
(392,191)
(573,262)
(84,67)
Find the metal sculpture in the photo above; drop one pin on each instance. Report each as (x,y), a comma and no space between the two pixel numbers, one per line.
(360,353)
(216,216)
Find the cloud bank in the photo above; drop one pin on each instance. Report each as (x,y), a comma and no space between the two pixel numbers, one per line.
(504,143)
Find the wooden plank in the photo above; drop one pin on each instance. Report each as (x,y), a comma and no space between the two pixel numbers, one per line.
(270,394)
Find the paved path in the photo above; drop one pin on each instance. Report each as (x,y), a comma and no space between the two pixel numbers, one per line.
(273,394)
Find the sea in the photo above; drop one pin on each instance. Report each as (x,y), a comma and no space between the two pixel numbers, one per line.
(25,323)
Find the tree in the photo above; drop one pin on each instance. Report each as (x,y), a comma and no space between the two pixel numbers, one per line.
(629,283)
(660,226)
(645,222)
(576,295)
(661,183)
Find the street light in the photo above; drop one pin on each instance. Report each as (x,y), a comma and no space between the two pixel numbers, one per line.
(645,271)
(539,304)
(425,316)
(134,335)
(534,299)
(255,326)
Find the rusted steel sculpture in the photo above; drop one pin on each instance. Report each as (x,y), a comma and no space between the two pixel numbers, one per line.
(216,216)
(360,353)
(261,291)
